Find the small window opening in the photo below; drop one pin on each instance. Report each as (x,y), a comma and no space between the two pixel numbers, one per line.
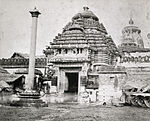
(81,50)
(66,51)
(78,51)
(59,51)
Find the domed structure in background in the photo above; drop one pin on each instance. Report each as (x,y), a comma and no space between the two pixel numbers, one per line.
(135,57)
(131,38)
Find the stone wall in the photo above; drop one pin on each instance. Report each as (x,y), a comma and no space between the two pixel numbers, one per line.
(39,62)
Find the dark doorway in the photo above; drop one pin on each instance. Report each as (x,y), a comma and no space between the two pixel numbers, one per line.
(72,82)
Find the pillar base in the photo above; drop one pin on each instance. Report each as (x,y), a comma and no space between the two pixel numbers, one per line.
(29,98)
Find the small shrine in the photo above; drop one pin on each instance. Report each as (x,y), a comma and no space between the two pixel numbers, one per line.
(84,59)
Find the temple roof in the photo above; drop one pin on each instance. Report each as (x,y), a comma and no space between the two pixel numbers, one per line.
(85,33)
(3,71)
(3,84)
(83,21)
(86,13)
(25,71)
(20,55)
(24,55)
(131,26)
(7,77)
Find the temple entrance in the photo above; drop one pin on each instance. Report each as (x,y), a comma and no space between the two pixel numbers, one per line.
(72,79)
(69,83)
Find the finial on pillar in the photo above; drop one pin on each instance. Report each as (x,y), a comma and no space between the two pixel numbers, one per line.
(35,12)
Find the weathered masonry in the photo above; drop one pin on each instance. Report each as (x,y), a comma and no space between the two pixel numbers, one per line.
(84,58)
(135,57)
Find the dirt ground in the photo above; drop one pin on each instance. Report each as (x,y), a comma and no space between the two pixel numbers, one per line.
(74,112)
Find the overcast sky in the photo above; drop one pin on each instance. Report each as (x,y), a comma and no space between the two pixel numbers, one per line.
(16,21)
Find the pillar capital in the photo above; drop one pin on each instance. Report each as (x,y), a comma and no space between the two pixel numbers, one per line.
(35,12)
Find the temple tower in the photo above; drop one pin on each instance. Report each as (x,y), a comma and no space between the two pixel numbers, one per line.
(81,54)
(131,37)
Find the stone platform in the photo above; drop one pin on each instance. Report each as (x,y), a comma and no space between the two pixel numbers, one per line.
(60,98)
(29,98)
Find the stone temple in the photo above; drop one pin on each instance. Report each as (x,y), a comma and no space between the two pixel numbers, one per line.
(84,58)
(83,63)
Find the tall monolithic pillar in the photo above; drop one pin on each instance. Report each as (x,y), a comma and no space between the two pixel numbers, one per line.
(30,79)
